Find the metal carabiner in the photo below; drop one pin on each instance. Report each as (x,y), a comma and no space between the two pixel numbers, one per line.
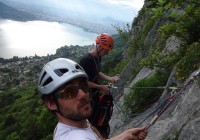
(110,85)
(197,73)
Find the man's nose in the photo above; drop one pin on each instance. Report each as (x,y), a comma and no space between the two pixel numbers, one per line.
(82,94)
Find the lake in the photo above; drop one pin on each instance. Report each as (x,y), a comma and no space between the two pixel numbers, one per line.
(39,37)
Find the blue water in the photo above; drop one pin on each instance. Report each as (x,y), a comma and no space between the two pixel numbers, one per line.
(39,37)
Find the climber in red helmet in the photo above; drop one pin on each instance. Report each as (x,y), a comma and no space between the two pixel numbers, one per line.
(91,64)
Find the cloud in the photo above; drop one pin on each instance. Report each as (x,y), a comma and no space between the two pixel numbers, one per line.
(136,4)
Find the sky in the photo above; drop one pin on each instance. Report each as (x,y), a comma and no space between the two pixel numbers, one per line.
(123,10)
(136,4)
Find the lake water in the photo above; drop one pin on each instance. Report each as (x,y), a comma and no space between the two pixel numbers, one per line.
(39,37)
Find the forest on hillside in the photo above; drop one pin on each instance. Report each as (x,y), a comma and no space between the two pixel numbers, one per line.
(23,115)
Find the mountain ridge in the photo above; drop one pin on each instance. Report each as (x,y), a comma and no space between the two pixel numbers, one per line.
(11,13)
(14,11)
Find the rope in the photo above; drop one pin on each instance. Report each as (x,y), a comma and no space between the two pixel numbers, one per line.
(161,87)
(156,109)
(161,104)
(118,108)
(166,103)
(171,99)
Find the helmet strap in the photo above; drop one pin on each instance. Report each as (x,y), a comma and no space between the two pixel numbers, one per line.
(99,50)
(58,109)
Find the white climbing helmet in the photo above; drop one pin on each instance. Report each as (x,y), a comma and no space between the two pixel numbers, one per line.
(56,73)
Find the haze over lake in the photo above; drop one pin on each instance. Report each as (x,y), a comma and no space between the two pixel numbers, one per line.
(39,37)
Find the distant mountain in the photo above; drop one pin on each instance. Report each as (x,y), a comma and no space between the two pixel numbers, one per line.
(109,20)
(8,12)
(13,10)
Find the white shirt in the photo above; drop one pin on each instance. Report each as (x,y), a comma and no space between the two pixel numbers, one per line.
(66,132)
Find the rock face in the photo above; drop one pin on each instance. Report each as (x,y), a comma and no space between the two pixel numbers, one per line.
(181,119)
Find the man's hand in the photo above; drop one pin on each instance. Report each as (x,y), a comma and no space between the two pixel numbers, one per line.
(104,88)
(132,134)
(115,79)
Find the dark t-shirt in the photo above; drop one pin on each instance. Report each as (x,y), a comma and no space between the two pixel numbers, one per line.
(91,65)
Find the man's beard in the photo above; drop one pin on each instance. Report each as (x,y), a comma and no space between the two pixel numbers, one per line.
(78,116)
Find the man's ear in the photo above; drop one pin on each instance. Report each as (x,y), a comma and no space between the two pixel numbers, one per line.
(50,104)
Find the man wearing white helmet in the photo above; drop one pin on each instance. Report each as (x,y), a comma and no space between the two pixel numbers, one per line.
(63,87)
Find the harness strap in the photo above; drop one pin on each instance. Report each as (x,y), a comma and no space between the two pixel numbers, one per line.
(97,64)
(54,133)
(96,131)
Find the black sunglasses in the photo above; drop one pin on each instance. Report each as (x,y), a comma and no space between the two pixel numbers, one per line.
(71,91)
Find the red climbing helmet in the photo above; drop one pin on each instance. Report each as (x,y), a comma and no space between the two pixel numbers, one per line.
(105,41)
